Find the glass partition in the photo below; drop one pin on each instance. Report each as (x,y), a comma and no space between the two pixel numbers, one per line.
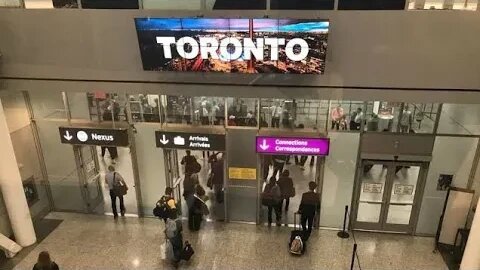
(459,119)
(293,113)
(145,108)
(243,112)
(382,116)
(107,106)
(443,4)
(345,115)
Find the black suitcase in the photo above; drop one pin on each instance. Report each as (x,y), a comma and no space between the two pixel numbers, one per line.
(297,232)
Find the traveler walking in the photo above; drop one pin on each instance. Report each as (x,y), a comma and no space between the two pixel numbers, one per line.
(190,164)
(287,189)
(271,198)
(198,209)
(118,188)
(309,206)
(44,262)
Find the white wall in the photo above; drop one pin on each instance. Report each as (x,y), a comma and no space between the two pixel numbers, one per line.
(151,166)
(366,48)
(339,178)
(451,155)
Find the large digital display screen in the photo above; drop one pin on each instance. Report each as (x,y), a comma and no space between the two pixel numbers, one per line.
(294,46)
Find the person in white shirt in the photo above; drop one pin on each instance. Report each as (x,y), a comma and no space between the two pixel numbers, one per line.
(276,110)
(113,178)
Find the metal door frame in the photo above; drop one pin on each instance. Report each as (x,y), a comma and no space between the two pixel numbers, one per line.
(319,178)
(382,226)
(82,177)
(171,155)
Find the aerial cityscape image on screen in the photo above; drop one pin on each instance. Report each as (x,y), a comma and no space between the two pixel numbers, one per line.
(233,45)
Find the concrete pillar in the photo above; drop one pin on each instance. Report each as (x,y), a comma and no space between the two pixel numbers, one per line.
(471,256)
(12,189)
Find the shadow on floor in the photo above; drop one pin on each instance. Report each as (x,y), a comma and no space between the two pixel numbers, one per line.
(43,228)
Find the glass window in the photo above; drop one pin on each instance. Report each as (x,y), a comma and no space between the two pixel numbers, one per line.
(47,105)
(194,110)
(293,113)
(460,119)
(242,112)
(104,106)
(383,116)
(145,108)
(345,115)
(10,3)
(443,4)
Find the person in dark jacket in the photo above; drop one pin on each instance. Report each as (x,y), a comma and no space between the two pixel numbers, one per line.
(189,162)
(190,182)
(309,206)
(285,183)
(44,262)
(198,209)
(273,199)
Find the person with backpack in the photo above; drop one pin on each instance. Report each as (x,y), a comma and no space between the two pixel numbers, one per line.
(44,262)
(118,188)
(191,164)
(198,209)
(272,197)
(287,189)
(309,206)
(166,205)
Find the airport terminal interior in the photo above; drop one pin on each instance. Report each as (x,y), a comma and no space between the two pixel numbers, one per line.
(226,134)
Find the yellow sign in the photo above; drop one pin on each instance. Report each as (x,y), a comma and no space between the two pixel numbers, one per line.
(242,173)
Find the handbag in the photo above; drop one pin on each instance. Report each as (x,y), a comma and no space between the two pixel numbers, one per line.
(292,193)
(187,252)
(119,188)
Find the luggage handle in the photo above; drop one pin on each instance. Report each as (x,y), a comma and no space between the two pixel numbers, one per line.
(295,220)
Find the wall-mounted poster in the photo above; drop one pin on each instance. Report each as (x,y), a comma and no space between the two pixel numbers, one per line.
(444,181)
(372,187)
(295,46)
(400,189)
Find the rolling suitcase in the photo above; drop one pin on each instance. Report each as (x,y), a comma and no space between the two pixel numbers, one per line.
(297,243)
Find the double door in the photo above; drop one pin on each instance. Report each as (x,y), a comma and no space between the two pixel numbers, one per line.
(388,196)
(89,177)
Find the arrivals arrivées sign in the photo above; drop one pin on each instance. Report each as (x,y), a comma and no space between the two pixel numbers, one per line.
(295,46)
(94,136)
(192,141)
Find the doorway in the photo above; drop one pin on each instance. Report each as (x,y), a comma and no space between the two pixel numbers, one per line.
(388,196)
(302,170)
(175,176)
(89,177)
(121,159)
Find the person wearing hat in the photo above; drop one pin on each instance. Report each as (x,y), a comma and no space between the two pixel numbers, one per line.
(309,206)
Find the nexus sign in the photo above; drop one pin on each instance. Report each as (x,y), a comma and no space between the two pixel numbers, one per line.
(91,136)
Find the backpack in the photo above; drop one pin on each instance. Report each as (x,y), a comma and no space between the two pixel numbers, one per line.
(296,247)
(196,167)
(271,195)
(161,208)
(171,228)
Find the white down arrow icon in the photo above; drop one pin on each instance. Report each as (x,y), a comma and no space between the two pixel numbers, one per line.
(264,145)
(164,140)
(67,136)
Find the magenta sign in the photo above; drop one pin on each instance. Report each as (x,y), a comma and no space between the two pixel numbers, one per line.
(293,145)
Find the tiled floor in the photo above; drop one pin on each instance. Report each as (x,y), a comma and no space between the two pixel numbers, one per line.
(99,242)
